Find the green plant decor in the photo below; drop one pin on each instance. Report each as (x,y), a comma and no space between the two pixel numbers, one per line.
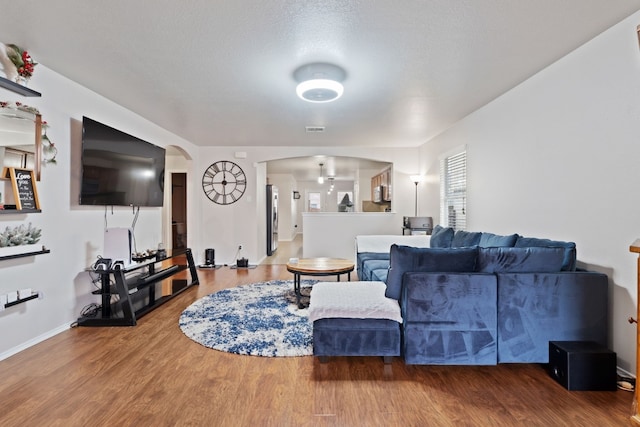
(20,235)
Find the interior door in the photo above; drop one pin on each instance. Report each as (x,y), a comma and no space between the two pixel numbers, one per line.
(179,210)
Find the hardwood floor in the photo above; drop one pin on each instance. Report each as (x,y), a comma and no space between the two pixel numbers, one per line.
(152,375)
(286,250)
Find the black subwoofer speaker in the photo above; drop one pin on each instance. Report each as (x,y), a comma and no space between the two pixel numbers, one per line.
(210,256)
(582,365)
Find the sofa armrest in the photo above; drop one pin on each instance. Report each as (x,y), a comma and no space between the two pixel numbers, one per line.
(449,318)
(377,247)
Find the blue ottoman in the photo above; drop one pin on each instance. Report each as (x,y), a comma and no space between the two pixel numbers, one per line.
(354,319)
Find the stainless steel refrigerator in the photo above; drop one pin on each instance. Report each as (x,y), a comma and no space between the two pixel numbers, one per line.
(272,219)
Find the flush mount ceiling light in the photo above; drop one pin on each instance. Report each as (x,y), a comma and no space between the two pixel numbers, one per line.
(319,82)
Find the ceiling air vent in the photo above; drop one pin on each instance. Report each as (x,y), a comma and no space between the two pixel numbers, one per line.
(314,129)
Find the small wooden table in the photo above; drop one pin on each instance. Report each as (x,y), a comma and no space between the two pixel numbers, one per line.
(317,267)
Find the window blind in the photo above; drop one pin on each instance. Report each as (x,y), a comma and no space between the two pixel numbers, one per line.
(453,191)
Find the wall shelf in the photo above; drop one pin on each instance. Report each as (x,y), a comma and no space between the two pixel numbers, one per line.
(25,254)
(34,295)
(15,87)
(18,211)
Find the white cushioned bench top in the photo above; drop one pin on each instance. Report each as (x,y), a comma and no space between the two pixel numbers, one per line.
(355,300)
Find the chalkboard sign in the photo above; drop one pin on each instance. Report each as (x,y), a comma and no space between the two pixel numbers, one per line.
(24,189)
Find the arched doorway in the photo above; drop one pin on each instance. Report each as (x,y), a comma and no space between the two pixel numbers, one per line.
(344,178)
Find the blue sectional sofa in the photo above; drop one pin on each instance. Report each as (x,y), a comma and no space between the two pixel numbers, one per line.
(372,253)
(481,299)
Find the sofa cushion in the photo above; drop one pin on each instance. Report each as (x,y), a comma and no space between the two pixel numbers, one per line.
(359,300)
(441,237)
(370,266)
(520,260)
(380,275)
(569,262)
(408,259)
(363,257)
(465,239)
(490,240)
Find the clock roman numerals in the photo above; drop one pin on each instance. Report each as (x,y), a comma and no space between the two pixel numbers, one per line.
(224,182)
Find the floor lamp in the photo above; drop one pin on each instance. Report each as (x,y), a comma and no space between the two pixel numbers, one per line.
(416,180)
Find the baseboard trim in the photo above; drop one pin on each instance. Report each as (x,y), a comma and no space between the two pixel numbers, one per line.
(625,373)
(33,341)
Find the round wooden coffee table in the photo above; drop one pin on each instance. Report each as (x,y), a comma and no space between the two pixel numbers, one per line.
(317,267)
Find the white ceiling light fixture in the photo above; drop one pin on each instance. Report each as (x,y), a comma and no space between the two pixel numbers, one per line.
(319,82)
(321,177)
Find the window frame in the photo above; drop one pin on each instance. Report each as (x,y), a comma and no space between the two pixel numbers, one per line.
(453,189)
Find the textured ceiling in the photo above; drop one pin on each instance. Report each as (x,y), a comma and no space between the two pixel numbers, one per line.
(220,72)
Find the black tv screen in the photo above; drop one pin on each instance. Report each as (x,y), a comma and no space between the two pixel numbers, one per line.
(119,169)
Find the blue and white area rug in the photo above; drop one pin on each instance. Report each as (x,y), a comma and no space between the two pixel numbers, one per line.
(261,319)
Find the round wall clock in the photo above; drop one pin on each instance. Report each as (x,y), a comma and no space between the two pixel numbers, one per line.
(224,182)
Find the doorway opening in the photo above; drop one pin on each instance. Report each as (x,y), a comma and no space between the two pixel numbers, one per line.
(179,210)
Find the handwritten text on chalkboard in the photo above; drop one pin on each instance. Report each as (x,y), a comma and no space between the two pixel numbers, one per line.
(24,189)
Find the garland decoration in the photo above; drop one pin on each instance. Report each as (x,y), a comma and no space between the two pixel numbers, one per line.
(22,60)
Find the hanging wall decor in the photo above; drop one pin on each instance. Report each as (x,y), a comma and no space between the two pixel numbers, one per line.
(22,61)
(49,150)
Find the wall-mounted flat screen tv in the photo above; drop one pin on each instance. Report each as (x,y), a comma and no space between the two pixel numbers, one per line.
(119,169)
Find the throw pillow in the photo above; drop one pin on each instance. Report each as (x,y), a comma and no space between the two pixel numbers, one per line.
(520,260)
(490,240)
(441,237)
(409,259)
(465,239)
(570,256)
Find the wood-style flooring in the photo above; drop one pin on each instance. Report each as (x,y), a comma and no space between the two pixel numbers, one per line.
(286,250)
(152,375)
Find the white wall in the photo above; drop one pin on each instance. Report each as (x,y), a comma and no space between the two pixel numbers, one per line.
(244,222)
(329,202)
(333,234)
(557,157)
(73,233)
(286,206)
